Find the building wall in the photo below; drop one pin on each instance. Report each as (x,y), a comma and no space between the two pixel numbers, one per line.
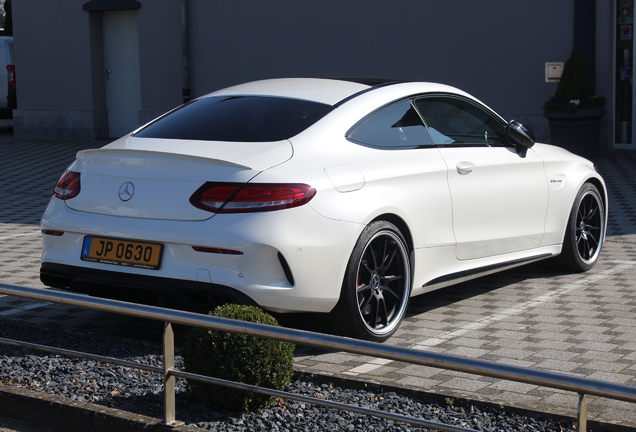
(494,49)
(60,53)
(54,70)
(160,57)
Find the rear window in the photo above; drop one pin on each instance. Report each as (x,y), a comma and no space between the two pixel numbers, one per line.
(237,118)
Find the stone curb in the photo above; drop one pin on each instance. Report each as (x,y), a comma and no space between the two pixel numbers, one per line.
(74,416)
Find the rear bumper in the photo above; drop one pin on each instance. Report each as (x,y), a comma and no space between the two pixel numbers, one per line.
(155,291)
(290,261)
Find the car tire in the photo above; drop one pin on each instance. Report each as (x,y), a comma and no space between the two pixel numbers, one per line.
(377,284)
(585,231)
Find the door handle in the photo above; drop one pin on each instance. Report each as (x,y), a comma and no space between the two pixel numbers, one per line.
(108,72)
(464,167)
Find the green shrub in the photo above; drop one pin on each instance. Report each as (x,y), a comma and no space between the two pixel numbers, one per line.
(237,357)
(575,89)
(575,82)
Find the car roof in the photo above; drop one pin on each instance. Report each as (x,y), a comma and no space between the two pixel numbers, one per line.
(324,90)
(329,90)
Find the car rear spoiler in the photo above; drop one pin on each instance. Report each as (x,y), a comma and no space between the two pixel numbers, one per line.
(158,154)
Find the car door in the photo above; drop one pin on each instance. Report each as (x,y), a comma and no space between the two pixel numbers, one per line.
(406,172)
(499,196)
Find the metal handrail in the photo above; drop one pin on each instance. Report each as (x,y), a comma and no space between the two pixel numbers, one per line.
(580,385)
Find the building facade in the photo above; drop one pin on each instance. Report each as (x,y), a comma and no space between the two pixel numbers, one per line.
(92,69)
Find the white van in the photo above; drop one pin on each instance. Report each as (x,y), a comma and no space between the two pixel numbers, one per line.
(7,76)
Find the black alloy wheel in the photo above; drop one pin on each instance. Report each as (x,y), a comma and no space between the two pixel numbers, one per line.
(588,227)
(585,231)
(377,285)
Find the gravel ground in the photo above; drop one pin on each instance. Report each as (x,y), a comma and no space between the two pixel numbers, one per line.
(141,392)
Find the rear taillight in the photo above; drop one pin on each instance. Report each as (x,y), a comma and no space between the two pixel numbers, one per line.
(11,76)
(68,186)
(245,198)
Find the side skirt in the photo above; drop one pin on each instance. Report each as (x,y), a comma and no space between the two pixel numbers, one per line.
(455,278)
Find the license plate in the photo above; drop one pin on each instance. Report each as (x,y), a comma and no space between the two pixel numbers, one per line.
(122,252)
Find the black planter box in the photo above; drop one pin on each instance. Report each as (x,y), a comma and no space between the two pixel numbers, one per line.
(578,132)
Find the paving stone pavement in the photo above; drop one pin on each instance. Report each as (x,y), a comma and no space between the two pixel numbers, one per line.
(533,316)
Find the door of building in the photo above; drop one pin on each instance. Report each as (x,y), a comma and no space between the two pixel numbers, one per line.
(121,60)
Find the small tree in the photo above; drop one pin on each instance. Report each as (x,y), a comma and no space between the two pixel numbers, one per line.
(6,18)
(3,16)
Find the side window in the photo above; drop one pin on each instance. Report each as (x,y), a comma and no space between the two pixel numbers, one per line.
(457,121)
(397,126)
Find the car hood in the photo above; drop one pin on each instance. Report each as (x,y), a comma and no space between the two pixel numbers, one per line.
(163,174)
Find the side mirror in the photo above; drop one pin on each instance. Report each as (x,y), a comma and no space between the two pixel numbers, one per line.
(519,135)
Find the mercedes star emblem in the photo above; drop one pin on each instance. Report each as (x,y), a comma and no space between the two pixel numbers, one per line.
(126,191)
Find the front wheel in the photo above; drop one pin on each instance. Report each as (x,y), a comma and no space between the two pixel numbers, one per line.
(376,286)
(585,231)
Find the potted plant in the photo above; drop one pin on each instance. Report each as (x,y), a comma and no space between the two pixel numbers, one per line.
(574,112)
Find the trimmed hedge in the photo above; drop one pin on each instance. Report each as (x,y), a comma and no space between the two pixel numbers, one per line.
(237,357)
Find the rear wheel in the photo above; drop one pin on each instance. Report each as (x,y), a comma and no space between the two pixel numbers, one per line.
(377,284)
(585,231)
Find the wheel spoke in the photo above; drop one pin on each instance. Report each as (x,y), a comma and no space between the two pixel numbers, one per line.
(373,256)
(366,267)
(388,260)
(385,247)
(364,293)
(584,250)
(388,290)
(591,212)
(375,313)
(578,236)
(389,279)
(383,315)
(362,288)
(592,239)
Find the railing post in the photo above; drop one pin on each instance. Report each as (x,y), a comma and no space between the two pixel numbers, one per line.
(581,416)
(168,378)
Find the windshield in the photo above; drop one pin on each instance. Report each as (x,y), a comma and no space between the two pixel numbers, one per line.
(237,118)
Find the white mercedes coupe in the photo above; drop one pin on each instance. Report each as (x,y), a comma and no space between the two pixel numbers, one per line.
(339,196)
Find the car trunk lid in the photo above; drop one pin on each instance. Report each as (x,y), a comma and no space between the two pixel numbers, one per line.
(154,179)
